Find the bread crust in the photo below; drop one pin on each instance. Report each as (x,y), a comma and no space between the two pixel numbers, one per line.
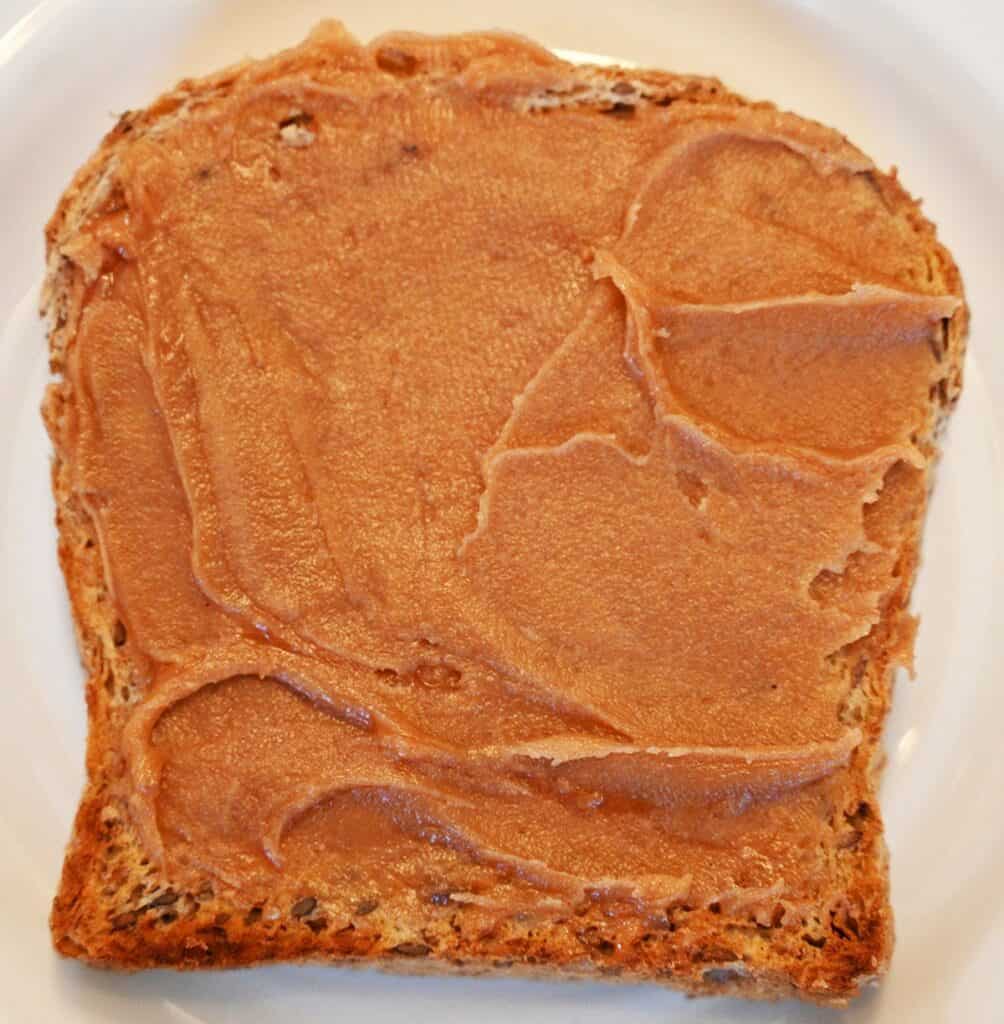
(115,908)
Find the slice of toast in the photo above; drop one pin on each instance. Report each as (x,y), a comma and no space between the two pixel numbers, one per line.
(489,492)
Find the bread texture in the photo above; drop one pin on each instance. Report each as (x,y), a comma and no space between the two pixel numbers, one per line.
(118,907)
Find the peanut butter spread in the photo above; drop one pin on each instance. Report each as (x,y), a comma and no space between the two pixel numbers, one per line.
(487,475)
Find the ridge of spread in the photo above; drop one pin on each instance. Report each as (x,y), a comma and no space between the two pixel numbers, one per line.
(485,489)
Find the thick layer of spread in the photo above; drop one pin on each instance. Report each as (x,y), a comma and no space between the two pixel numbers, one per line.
(486,484)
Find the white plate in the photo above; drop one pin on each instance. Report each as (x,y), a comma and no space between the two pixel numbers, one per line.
(64,70)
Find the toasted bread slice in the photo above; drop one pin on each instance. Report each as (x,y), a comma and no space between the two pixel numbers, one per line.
(301,749)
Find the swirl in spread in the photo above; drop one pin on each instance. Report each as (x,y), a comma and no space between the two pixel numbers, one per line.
(485,489)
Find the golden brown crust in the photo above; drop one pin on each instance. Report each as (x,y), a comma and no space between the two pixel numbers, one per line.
(114,908)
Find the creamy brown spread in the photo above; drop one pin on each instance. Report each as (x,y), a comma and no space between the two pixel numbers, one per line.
(486,484)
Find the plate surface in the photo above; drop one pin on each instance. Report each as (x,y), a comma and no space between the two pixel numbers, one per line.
(867,68)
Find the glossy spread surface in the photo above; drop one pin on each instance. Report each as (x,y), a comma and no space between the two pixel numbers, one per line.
(486,486)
